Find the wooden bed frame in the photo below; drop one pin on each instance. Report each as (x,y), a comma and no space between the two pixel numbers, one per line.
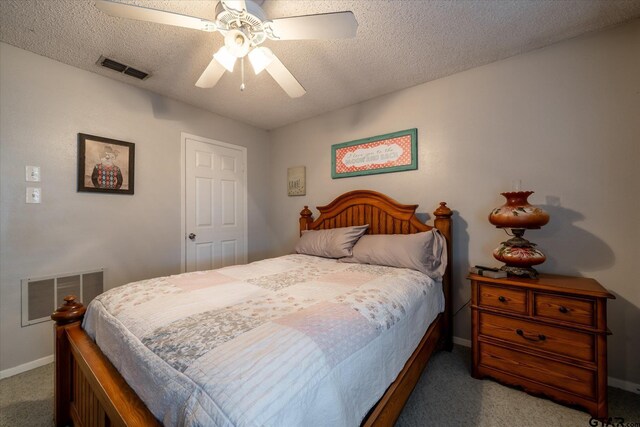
(90,392)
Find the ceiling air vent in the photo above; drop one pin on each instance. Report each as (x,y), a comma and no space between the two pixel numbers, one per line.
(122,68)
(136,73)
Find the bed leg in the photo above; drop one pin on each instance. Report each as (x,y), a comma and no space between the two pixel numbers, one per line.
(447,343)
(443,223)
(446,340)
(62,379)
(68,315)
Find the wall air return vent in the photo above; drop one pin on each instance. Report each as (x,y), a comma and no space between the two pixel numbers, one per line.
(122,68)
(41,296)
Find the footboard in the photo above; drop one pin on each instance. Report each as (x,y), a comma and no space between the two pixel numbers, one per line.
(89,391)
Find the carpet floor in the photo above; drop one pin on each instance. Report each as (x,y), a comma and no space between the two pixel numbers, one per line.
(446,395)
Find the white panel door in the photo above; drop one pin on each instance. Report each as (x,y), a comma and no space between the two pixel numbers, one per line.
(216,217)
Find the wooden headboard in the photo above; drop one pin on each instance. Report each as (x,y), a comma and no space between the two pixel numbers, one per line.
(385,216)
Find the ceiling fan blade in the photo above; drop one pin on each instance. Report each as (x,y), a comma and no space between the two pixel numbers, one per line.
(285,79)
(211,74)
(238,6)
(337,25)
(139,13)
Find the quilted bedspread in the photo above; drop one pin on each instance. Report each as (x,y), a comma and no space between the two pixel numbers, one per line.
(294,340)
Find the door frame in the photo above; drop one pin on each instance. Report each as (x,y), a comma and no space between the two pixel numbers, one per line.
(183,192)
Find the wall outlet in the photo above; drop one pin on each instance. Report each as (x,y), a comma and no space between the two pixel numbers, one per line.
(33,173)
(34,194)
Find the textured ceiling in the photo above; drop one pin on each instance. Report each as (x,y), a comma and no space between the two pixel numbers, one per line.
(399,44)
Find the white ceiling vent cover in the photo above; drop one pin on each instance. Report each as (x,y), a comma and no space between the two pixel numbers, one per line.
(41,296)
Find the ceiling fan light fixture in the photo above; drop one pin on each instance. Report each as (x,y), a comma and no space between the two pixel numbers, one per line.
(237,43)
(245,26)
(225,58)
(260,59)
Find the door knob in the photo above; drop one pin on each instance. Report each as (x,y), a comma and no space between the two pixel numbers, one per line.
(192,236)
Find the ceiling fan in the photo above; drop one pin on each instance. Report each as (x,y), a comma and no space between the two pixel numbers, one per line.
(244,26)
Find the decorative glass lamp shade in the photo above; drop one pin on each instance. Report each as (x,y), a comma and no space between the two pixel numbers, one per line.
(518,254)
(518,213)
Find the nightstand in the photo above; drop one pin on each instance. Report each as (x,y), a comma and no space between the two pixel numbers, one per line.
(547,335)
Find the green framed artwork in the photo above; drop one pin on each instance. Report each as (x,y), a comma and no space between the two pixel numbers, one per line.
(391,152)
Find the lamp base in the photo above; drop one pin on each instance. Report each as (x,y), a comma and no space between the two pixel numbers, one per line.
(529,272)
(519,255)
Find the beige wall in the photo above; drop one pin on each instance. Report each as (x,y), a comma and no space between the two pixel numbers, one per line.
(44,104)
(565,120)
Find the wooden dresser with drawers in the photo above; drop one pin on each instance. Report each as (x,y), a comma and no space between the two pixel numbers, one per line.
(547,335)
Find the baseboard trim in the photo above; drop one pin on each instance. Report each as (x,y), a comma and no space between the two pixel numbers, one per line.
(462,341)
(613,382)
(624,385)
(26,367)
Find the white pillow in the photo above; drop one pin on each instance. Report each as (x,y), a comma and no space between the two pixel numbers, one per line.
(425,252)
(331,243)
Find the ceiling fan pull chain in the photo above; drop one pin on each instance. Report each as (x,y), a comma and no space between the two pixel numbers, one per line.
(242,74)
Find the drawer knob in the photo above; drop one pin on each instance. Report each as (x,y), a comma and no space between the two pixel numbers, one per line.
(538,338)
(563,309)
(501,298)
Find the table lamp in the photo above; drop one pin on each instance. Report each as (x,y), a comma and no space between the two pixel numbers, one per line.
(518,254)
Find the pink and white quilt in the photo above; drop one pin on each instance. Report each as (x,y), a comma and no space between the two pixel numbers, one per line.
(288,341)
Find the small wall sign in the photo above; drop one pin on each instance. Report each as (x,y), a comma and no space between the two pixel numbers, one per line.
(392,152)
(296,185)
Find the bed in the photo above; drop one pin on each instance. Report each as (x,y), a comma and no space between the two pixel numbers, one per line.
(89,389)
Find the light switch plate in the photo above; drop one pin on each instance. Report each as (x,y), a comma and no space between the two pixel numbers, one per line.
(34,194)
(33,173)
